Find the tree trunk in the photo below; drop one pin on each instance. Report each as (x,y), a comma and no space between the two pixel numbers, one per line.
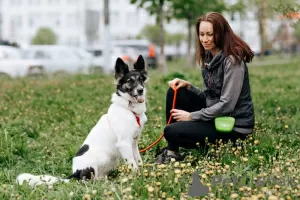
(107,42)
(161,59)
(189,44)
(262,21)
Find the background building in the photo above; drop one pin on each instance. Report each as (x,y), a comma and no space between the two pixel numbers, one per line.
(75,22)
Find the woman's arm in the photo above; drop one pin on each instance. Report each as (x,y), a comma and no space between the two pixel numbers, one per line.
(232,86)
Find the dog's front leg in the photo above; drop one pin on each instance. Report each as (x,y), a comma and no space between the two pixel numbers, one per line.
(126,151)
(136,152)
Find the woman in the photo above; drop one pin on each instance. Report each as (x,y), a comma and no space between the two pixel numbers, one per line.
(226,91)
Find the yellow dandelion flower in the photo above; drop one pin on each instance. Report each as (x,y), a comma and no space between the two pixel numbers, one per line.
(234,196)
(86,197)
(150,189)
(272,197)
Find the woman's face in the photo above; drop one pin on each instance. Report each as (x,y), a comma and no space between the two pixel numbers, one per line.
(206,36)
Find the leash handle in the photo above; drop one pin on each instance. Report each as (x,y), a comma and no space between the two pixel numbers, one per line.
(169,121)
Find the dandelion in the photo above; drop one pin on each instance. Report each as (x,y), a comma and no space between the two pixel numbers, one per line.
(234,196)
(260,157)
(256,142)
(272,197)
(150,189)
(124,180)
(286,126)
(176,164)
(256,151)
(245,159)
(86,197)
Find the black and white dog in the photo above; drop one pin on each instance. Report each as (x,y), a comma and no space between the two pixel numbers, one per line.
(115,135)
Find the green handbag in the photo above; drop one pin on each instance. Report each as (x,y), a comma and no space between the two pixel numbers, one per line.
(224,124)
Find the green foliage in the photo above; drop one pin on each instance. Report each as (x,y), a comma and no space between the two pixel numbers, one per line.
(44,36)
(151,32)
(151,5)
(191,9)
(287,6)
(297,31)
(43,122)
(175,38)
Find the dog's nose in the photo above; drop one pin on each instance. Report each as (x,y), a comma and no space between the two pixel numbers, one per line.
(140,91)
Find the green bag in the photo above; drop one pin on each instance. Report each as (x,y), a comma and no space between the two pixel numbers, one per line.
(224,124)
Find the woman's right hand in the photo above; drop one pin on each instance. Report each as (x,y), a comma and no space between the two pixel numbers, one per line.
(177,83)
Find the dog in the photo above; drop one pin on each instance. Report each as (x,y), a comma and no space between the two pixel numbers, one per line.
(116,134)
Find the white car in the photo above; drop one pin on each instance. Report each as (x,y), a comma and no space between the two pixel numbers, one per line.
(127,54)
(13,65)
(59,59)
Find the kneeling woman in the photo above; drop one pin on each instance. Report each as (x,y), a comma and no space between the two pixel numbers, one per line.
(226,92)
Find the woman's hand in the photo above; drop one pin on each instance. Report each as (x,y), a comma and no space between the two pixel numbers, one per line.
(177,83)
(180,115)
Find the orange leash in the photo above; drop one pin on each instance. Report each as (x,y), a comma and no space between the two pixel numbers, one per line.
(169,121)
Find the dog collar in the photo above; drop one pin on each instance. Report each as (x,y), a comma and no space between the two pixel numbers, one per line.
(137,119)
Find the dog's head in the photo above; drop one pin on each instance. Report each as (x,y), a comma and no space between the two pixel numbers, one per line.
(130,83)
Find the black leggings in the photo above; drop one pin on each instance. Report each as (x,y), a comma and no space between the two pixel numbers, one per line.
(186,134)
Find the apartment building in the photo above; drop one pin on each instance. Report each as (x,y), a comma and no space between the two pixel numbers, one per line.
(75,22)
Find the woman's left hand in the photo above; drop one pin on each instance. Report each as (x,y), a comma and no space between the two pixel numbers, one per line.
(180,115)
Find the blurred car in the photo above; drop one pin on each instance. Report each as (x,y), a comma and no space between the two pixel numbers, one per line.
(143,47)
(59,59)
(13,65)
(127,54)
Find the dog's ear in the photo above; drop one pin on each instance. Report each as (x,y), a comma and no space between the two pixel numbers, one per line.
(120,69)
(139,65)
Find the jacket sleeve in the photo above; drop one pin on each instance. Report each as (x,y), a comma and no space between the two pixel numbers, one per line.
(232,86)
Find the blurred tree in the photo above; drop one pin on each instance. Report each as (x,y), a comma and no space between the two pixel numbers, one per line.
(265,9)
(175,39)
(286,7)
(297,32)
(151,33)
(189,10)
(44,36)
(157,7)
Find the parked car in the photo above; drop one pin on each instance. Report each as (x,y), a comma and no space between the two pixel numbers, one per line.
(13,65)
(143,47)
(59,59)
(127,54)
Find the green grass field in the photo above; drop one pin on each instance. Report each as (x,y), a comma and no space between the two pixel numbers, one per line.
(43,122)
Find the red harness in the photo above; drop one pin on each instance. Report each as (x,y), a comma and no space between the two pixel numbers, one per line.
(137,119)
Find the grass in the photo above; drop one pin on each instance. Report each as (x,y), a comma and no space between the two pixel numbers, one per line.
(43,122)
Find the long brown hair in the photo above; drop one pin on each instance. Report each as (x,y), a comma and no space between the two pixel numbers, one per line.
(224,38)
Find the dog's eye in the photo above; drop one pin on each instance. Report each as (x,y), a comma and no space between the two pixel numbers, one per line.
(130,81)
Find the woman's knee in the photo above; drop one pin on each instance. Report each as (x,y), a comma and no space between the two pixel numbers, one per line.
(170,93)
(169,132)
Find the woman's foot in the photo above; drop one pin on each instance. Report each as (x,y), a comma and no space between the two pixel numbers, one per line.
(167,155)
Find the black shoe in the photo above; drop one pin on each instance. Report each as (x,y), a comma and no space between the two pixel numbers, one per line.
(165,158)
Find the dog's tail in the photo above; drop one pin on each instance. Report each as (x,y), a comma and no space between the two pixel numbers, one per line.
(34,180)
